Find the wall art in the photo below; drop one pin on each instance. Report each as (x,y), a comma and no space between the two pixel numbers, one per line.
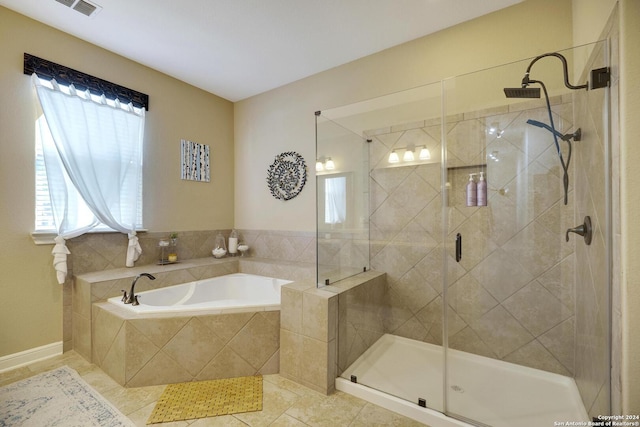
(195,161)
(287,175)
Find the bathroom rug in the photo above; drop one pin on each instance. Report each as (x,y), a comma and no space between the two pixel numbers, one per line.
(201,399)
(57,398)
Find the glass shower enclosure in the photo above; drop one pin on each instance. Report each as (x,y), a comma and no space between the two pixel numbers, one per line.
(495,313)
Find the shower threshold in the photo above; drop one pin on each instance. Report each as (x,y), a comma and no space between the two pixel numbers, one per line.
(396,372)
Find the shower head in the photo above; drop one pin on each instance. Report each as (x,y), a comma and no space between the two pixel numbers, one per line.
(522,92)
(528,92)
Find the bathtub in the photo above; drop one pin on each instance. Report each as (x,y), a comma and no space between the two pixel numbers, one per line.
(223,327)
(231,293)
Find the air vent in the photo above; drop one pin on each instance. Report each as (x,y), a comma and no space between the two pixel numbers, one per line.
(85,7)
(82,6)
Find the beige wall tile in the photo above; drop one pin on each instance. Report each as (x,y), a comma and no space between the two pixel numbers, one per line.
(257,341)
(105,327)
(226,326)
(290,354)
(139,350)
(161,369)
(291,309)
(226,364)
(113,362)
(193,346)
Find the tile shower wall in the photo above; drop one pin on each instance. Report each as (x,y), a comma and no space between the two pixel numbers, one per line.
(511,296)
(592,279)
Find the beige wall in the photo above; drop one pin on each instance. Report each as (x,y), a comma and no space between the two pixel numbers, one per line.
(30,298)
(589,18)
(283,120)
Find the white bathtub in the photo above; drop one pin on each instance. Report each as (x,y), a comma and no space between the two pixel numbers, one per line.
(224,294)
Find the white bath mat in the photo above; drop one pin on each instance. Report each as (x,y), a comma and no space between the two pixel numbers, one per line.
(57,398)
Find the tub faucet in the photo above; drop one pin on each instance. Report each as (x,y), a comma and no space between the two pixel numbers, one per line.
(132,298)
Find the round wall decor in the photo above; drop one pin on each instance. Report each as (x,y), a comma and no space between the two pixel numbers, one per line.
(287,175)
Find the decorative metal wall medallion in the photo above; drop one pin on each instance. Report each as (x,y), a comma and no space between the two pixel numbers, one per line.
(287,175)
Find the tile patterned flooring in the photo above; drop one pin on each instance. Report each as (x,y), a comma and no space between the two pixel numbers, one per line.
(285,403)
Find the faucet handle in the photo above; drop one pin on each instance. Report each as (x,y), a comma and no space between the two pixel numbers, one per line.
(135,300)
(585,230)
(124,295)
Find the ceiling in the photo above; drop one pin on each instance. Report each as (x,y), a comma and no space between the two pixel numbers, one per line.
(239,48)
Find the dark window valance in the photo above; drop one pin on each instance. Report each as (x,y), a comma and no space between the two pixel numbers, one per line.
(81,81)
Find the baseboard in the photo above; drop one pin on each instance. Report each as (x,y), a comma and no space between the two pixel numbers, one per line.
(17,360)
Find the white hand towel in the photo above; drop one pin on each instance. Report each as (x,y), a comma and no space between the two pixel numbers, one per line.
(60,252)
(133,250)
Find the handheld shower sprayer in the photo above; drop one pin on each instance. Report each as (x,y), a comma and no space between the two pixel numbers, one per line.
(528,92)
(576,136)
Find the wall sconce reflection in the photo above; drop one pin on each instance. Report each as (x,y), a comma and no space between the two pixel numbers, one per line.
(393,157)
(424,153)
(324,163)
(408,155)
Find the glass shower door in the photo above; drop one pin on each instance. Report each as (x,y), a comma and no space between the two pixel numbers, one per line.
(342,204)
(393,342)
(520,292)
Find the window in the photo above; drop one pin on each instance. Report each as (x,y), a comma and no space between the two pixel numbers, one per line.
(79,212)
(335,200)
(336,204)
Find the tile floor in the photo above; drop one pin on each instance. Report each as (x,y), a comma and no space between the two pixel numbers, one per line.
(285,403)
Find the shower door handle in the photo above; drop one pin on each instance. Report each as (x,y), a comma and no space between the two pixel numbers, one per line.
(458,247)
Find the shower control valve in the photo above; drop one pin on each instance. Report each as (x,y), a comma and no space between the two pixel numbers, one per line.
(585,230)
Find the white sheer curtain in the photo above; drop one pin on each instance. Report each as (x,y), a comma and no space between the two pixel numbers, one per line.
(335,201)
(95,149)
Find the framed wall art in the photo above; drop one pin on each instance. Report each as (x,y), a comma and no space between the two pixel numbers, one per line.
(195,161)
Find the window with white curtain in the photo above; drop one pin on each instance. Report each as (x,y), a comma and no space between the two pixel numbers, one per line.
(44,220)
(335,200)
(92,152)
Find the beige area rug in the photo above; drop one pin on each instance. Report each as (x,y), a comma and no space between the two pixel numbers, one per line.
(57,398)
(201,399)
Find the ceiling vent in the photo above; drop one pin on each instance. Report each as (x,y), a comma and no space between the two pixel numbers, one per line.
(82,6)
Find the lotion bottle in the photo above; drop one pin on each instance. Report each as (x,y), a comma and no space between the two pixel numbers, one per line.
(472,191)
(233,243)
(482,191)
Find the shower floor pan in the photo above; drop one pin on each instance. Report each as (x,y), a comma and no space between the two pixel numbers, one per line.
(490,391)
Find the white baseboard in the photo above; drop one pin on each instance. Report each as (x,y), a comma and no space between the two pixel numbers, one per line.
(17,360)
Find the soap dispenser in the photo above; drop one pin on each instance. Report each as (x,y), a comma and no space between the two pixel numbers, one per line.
(472,191)
(482,191)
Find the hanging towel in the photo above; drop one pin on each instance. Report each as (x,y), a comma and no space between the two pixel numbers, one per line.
(133,250)
(60,252)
